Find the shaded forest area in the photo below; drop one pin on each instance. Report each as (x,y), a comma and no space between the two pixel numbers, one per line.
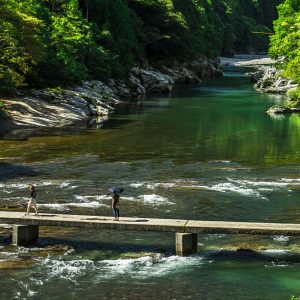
(56,42)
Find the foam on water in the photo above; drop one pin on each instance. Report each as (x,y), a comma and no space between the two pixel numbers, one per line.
(276,251)
(14,185)
(153,185)
(214,236)
(67,270)
(242,187)
(154,199)
(148,266)
(284,182)
(229,187)
(291,180)
(140,268)
(96,197)
(7,192)
(9,188)
(280,238)
(66,206)
(273,264)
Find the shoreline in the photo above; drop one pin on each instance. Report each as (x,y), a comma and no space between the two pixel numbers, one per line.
(93,101)
(267,79)
(246,60)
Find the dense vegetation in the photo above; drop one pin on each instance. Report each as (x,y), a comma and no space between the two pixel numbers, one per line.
(54,42)
(285,43)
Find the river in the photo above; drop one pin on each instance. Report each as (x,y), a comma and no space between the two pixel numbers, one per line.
(206,152)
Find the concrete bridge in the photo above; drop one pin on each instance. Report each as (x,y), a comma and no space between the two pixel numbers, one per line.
(26,228)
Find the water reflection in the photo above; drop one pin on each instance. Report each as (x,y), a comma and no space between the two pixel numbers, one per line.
(208,152)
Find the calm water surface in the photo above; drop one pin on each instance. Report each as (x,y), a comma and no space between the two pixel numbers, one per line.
(205,152)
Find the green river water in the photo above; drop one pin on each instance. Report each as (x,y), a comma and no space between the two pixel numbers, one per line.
(206,152)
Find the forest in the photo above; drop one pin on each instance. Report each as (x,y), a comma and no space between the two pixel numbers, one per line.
(48,43)
(285,43)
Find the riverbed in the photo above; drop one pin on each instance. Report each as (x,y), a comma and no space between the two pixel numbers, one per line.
(206,152)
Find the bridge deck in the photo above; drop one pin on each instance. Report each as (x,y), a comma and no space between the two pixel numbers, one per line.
(149,224)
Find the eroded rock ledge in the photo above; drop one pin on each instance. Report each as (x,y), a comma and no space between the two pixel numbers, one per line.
(95,100)
(269,80)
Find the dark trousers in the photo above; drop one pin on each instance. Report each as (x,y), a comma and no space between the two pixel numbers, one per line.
(116,212)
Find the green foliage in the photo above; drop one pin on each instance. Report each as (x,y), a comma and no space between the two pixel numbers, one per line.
(294,97)
(21,47)
(285,43)
(55,42)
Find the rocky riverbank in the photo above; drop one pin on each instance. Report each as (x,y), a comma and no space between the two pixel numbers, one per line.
(246,60)
(267,79)
(94,100)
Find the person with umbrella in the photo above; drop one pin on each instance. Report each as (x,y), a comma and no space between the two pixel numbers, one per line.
(115,204)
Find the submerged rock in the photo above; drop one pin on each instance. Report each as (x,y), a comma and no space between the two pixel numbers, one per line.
(59,248)
(17,263)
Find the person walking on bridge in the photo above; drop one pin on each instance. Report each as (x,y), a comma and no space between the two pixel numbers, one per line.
(115,204)
(32,200)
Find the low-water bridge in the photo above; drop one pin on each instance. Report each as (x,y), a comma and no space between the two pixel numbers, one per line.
(26,228)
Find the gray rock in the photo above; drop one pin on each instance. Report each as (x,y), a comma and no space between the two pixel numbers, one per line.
(120,88)
(205,68)
(153,80)
(271,82)
(281,109)
(256,76)
(136,86)
(181,75)
(278,109)
(61,107)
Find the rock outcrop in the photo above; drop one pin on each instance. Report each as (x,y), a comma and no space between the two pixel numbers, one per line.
(205,68)
(61,107)
(153,80)
(270,81)
(282,109)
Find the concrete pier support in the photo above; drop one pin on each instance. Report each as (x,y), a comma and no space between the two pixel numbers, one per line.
(186,244)
(25,235)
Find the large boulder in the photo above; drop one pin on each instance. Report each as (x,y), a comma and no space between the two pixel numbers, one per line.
(205,68)
(154,81)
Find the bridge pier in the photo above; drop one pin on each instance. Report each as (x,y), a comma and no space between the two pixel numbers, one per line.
(186,244)
(25,235)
